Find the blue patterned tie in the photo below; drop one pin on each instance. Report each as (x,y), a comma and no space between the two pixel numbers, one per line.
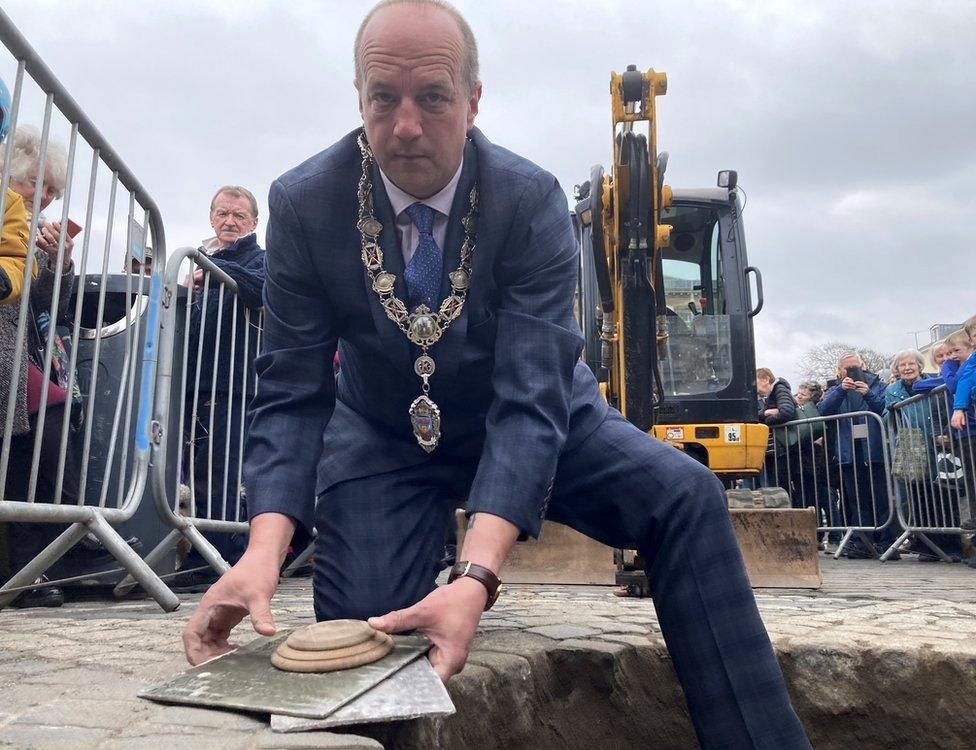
(423,272)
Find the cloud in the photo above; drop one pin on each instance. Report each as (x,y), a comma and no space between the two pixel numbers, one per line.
(850,123)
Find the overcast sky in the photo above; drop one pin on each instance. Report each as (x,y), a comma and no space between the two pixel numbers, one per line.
(852,124)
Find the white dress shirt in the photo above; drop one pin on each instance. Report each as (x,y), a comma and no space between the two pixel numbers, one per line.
(441,202)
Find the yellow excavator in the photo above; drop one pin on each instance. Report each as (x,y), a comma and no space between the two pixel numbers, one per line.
(666,306)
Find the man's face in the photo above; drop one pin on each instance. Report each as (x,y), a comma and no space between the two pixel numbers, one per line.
(231,218)
(416,108)
(844,364)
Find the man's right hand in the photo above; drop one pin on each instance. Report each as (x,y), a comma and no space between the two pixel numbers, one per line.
(245,589)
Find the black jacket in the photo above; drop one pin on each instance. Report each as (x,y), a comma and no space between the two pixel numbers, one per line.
(244,263)
(781,397)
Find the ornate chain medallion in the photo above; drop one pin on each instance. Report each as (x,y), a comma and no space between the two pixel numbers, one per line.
(423,327)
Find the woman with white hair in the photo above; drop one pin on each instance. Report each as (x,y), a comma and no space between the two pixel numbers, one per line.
(914,447)
(22,149)
(906,366)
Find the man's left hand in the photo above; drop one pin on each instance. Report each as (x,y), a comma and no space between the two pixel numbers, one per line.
(448,616)
(861,387)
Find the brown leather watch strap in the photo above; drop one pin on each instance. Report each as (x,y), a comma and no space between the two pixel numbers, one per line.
(481,574)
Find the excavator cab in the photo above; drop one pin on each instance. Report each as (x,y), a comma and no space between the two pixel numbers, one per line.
(706,400)
(709,401)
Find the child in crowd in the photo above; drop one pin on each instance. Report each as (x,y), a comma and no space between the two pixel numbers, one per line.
(962,349)
(959,375)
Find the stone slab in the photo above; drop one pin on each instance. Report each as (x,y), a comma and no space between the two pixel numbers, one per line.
(244,680)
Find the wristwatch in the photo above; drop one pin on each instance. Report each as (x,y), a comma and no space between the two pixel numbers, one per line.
(481,574)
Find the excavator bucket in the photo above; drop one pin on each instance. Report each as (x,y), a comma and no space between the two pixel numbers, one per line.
(779,546)
(560,555)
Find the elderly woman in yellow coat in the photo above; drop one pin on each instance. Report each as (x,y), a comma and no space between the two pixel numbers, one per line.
(13,248)
(13,240)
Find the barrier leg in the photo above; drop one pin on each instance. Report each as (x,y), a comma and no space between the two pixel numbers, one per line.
(48,556)
(299,561)
(868,543)
(128,583)
(934,547)
(206,550)
(136,566)
(843,543)
(897,543)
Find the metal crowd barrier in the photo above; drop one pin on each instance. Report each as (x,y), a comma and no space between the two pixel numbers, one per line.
(207,413)
(110,486)
(853,499)
(933,467)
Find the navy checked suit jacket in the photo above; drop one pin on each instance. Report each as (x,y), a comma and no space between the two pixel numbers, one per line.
(512,391)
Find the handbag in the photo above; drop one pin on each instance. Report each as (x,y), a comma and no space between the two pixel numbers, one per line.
(39,328)
(911,460)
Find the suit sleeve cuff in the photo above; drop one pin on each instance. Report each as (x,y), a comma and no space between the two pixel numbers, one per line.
(304,515)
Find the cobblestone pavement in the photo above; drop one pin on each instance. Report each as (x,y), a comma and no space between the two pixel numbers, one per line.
(69,676)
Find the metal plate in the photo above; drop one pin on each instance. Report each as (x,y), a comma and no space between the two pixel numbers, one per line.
(246,681)
(414,692)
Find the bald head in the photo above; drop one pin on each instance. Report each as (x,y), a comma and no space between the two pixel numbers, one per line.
(413,8)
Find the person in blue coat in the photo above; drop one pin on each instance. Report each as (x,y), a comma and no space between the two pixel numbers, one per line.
(444,267)
(958,372)
(859,445)
(923,415)
(220,380)
(964,384)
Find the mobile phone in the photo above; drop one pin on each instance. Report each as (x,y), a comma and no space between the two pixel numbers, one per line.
(855,374)
(73,228)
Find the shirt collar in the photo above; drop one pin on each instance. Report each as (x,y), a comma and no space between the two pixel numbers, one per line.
(440,201)
(211,245)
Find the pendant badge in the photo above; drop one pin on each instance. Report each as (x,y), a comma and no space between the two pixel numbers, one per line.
(425,417)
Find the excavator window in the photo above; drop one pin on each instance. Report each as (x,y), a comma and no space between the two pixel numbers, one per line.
(697,352)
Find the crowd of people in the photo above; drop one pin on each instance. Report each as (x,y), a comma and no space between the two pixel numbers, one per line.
(213,391)
(841,465)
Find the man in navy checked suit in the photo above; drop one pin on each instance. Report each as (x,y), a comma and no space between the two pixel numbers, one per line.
(526,434)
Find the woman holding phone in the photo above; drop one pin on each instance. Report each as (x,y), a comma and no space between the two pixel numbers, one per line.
(27,540)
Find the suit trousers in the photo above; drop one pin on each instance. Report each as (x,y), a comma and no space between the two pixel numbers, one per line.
(380,539)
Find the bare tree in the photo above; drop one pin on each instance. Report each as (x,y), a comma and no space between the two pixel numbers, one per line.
(820,362)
